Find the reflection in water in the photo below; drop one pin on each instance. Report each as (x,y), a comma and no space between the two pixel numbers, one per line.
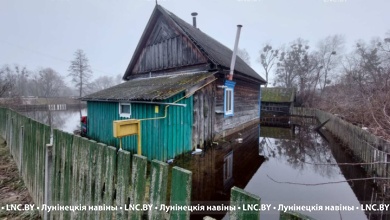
(305,147)
(364,190)
(221,167)
(286,154)
(68,120)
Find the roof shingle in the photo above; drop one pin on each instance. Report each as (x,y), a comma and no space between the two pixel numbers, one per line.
(276,94)
(216,51)
(155,88)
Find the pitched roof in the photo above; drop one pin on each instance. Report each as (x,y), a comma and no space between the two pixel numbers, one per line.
(276,94)
(155,88)
(215,51)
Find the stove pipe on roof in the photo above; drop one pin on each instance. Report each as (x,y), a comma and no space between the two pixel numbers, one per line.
(230,77)
(194,14)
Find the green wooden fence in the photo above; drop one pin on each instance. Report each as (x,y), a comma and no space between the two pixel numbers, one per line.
(26,139)
(76,178)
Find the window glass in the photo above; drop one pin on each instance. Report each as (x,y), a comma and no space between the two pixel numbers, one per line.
(124,110)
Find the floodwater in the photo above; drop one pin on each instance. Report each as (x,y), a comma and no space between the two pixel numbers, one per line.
(285,166)
(68,120)
(288,164)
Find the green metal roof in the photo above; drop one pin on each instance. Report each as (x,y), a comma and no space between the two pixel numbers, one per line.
(154,88)
(276,94)
(276,132)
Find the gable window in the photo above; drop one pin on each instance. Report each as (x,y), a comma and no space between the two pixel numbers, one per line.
(229,98)
(125,110)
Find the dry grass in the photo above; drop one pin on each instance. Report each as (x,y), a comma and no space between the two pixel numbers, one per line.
(12,188)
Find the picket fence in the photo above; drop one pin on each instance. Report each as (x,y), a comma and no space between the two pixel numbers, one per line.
(373,151)
(66,174)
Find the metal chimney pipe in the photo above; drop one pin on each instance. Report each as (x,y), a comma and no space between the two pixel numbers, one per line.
(230,77)
(194,14)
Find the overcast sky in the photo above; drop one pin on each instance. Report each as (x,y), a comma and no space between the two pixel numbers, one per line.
(46,33)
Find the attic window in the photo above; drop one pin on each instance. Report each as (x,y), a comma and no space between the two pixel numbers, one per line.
(125,110)
(229,98)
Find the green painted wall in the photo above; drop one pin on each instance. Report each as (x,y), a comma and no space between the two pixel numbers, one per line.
(162,139)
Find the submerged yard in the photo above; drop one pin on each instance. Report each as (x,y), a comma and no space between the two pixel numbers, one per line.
(286,165)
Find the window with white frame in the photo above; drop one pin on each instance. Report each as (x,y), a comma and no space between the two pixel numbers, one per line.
(125,110)
(228,101)
(229,98)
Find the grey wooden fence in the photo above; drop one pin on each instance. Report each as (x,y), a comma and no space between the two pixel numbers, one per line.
(76,178)
(368,148)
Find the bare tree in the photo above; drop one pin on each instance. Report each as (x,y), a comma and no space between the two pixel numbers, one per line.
(244,55)
(6,81)
(80,71)
(268,57)
(101,83)
(14,83)
(118,79)
(329,57)
(298,68)
(362,93)
(293,65)
(50,83)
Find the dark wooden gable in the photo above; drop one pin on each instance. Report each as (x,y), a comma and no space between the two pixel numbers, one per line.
(164,47)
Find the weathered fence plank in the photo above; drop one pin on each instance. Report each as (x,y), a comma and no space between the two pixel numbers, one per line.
(180,192)
(158,188)
(110,180)
(367,147)
(92,175)
(240,198)
(91,186)
(100,175)
(123,183)
(75,173)
(138,179)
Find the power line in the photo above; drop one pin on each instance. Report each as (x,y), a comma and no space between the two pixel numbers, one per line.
(46,55)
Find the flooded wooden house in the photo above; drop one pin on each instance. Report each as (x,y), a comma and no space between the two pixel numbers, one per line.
(277,101)
(179,85)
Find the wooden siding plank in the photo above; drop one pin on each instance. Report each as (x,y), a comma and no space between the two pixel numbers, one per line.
(180,61)
(169,52)
(165,54)
(160,56)
(174,52)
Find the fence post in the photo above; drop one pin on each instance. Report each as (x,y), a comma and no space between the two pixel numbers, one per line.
(180,192)
(240,198)
(21,144)
(48,173)
(158,188)
(138,181)
(123,182)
